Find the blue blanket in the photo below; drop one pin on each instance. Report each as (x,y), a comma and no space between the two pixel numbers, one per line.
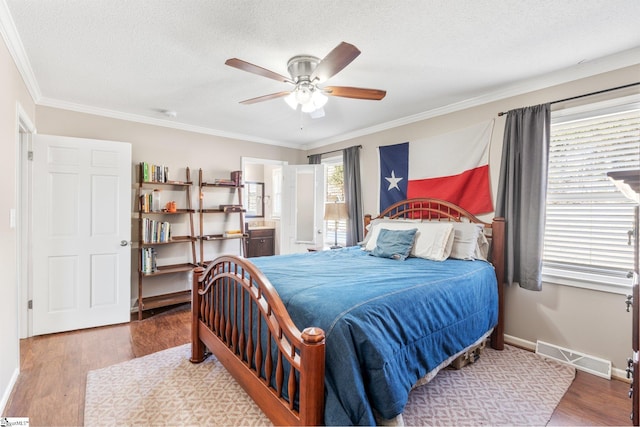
(387,323)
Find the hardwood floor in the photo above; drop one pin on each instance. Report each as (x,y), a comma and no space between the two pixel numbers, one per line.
(51,386)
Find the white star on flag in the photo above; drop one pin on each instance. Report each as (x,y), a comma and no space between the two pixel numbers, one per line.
(393,181)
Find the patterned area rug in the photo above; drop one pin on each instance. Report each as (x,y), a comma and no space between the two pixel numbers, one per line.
(511,387)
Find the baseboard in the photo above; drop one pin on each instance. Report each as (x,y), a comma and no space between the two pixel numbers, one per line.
(616,373)
(620,375)
(519,342)
(8,390)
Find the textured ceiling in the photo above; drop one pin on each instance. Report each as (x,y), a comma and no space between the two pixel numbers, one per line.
(135,58)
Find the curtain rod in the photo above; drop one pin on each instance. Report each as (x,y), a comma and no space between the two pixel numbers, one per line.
(585,95)
(333,151)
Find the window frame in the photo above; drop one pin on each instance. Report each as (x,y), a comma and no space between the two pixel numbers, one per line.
(329,234)
(587,278)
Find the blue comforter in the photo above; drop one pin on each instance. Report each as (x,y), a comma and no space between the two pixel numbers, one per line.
(387,322)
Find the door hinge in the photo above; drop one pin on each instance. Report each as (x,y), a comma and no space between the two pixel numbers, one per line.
(30,155)
(30,304)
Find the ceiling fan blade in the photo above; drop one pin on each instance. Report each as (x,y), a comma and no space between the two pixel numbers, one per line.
(355,92)
(336,60)
(265,97)
(246,66)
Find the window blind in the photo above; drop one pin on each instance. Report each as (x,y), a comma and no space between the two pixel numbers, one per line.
(587,218)
(335,191)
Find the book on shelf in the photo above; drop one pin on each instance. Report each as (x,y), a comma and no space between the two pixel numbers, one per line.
(155,231)
(231,208)
(236,177)
(148,257)
(153,173)
(150,202)
(233,233)
(224,181)
(145,203)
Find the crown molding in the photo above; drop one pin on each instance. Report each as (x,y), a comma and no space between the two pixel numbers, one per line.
(579,71)
(64,105)
(16,49)
(585,69)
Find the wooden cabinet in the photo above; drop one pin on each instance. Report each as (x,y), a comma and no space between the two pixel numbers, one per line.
(261,242)
(635,339)
(228,209)
(628,181)
(156,225)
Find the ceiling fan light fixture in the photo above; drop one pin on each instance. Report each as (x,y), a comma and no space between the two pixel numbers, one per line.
(308,107)
(291,100)
(304,92)
(308,96)
(318,98)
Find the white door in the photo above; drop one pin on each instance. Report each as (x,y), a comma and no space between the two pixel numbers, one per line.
(302,208)
(81,232)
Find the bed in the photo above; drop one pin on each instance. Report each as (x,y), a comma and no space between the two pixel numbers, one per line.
(340,336)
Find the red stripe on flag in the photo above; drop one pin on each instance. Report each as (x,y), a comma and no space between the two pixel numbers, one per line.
(469,190)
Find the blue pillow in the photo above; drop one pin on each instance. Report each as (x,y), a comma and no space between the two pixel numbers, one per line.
(394,244)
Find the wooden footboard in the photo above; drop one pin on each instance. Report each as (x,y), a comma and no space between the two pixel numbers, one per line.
(239,317)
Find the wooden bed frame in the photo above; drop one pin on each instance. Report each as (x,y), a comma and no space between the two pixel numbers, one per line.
(232,291)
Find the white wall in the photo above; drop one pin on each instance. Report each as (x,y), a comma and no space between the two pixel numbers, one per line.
(588,321)
(178,150)
(13,93)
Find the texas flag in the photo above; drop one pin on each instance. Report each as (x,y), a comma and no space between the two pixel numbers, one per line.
(452,167)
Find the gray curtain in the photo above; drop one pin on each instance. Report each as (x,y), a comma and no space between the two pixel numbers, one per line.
(352,194)
(315,159)
(522,192)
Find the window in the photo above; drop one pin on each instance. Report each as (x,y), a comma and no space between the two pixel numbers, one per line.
(587,218)
(334,192)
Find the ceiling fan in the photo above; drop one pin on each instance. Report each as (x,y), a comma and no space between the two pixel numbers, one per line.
(307,73)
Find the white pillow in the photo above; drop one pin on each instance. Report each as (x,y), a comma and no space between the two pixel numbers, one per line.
(469,241)
(433,240)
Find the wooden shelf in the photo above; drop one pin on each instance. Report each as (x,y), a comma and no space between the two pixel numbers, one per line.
(149,303)
(223,237)
(211,184)
(228,211)
(174,239)
(227,208)
(165,212)
(169,269)
(168,183)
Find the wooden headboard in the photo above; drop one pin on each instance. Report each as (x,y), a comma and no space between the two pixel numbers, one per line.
(427,210)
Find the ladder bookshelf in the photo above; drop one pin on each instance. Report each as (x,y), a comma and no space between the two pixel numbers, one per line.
(155,232)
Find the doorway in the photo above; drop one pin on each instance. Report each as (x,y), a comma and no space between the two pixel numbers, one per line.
(268,173)
(21,216)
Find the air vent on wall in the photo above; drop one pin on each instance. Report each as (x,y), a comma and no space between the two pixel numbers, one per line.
(581,361)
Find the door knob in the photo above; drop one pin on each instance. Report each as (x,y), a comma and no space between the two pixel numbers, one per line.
(123,243)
